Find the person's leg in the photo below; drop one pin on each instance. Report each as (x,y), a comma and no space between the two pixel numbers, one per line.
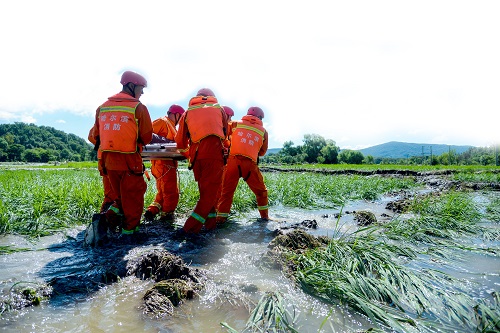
(170,188)
(231,178)
(133,188)
(256,183)
(208,174)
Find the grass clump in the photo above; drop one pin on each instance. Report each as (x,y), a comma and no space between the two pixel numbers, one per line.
(270,315)
(376,270)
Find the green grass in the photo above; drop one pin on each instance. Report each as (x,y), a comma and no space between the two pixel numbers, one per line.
(39,202)
(316,191)
(373,271)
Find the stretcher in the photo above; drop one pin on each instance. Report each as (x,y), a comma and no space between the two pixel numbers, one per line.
(161,151)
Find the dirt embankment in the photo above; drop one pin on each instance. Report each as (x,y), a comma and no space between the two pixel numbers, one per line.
(436,178)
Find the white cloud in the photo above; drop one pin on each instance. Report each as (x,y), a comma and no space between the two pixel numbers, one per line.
(358,72)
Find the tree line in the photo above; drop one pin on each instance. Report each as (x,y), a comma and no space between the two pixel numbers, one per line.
(316,149)
(20,142)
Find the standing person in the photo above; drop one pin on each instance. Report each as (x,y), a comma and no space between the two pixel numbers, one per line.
(122,127)
(201,135)
(249,140)
(165,171)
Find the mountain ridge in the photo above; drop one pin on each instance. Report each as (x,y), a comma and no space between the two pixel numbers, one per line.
(396,149)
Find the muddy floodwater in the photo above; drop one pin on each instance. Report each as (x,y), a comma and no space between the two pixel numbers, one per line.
(231,258)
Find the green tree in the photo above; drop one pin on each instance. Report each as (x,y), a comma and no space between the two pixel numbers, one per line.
(288,149)
(31,155)
(329,153)
(313,143)
(4,146)
(369,159)
(351,157)
(15,152)
(47,140)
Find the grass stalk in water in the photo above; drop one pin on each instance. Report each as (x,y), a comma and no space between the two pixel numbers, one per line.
(371,271)
(270,315)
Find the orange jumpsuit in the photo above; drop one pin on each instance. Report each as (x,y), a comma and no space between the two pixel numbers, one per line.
(123,166)
(248,141)
(109,195)
(202,130)
(165,172)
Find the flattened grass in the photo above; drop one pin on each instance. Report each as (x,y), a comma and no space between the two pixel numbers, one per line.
(374,270)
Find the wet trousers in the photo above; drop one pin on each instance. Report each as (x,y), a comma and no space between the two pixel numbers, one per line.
(109,195)
(208,175)
(242,167)
(130,189)
(167,195)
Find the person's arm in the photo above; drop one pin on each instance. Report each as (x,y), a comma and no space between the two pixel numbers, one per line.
(94,132)
(160,139)
(264,147)
(182,137)
(145,124)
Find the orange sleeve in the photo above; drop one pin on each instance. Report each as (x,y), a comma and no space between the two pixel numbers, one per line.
(91,136)
(159,127)
(94,131)
(164,127)
(182,137)
(144,123)
(264,147)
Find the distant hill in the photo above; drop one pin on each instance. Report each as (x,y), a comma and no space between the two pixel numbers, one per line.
(395,149)
(20,142)
(273,151)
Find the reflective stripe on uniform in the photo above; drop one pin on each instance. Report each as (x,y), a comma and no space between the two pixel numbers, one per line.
(198,217)
(115,210)
(127,232)
(156,204)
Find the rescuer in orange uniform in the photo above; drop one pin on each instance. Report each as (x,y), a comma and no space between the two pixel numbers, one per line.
(249,140)
(122,127)
(201,135)
(165,171)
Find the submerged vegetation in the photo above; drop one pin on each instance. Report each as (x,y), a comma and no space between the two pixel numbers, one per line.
(396,273)
(386,271)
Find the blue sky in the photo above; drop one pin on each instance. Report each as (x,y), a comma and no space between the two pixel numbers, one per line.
(357,72)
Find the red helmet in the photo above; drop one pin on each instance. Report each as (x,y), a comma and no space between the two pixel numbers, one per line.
(134,78)
(174,108)
(228,111)
(205,92)
(256,111)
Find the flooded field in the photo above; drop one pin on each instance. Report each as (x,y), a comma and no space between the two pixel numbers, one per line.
(95,290)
